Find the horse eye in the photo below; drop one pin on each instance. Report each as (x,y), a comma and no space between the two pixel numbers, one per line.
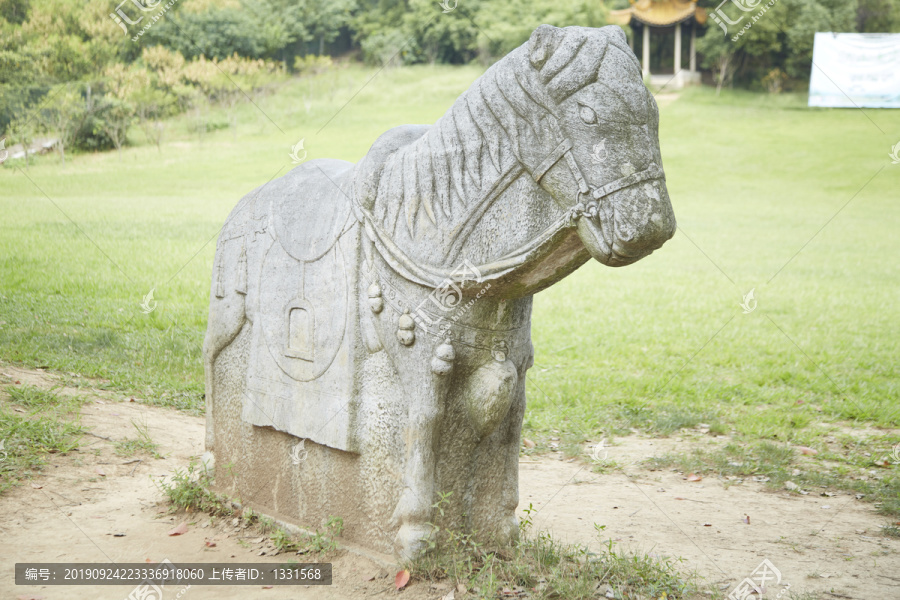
(587,114)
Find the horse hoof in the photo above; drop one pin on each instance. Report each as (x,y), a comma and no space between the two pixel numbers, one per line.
(410,541)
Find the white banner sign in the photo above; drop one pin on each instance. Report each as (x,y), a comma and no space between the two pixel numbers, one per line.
(855,70)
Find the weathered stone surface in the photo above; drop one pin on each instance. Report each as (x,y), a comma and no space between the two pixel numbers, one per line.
(380,312)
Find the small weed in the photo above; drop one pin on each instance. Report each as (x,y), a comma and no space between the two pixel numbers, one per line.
(189,490)
(33,397)
(143,443)
(26,439)
(891,530)
(283,541)
(603,467)
(320,542)
(323,542)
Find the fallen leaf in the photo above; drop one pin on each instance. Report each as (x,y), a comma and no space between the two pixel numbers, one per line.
(99,472)
(182,528)
(694,477)
(790,485)
(118,535)
(451,595)
(36,486)
(807,450)
(528,443)
(267,587)
(210,544)
(368,578)
(401,579)
(707,524)
(746,519)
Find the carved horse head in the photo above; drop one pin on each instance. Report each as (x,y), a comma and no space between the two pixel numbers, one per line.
(551,157)
(601,129)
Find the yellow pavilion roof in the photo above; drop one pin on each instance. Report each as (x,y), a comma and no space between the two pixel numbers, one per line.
(658,13)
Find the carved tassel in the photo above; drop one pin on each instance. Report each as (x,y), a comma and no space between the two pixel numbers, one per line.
(376,302)
(444,355)
(405,333)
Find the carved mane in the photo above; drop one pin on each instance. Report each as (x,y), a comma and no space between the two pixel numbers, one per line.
(427,191)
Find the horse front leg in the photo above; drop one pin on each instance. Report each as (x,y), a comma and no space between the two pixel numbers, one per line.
(415,509)
(227,315)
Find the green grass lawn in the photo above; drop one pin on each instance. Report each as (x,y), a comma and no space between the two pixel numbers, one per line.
(800,205)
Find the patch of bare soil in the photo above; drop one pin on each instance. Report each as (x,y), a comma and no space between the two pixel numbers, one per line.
(95,506)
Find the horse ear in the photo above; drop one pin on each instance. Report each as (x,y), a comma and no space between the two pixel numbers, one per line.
(615,33)
(543,43)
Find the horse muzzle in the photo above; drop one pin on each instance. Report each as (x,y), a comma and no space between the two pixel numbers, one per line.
(628,224)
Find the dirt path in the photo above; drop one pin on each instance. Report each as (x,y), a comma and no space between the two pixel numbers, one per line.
(95,506)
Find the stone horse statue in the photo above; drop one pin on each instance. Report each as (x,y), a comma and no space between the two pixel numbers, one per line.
(369,323)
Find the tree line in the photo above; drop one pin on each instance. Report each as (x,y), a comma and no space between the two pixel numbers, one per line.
(87,70)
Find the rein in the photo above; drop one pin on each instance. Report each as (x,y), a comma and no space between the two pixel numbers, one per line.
(435,277)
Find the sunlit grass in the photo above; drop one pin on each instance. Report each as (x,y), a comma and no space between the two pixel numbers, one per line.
(760,187)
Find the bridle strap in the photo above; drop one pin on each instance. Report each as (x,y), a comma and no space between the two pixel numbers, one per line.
(561,150)
(651,172)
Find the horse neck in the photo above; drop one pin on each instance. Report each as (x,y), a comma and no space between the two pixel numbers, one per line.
(433,193)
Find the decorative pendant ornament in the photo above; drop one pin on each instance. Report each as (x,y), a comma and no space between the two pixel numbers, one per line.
(500,351)
(405,333)
(444,355)
(376,303)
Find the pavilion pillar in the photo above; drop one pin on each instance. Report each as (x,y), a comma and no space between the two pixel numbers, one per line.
(693,63)
(677,65)
(646,51)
